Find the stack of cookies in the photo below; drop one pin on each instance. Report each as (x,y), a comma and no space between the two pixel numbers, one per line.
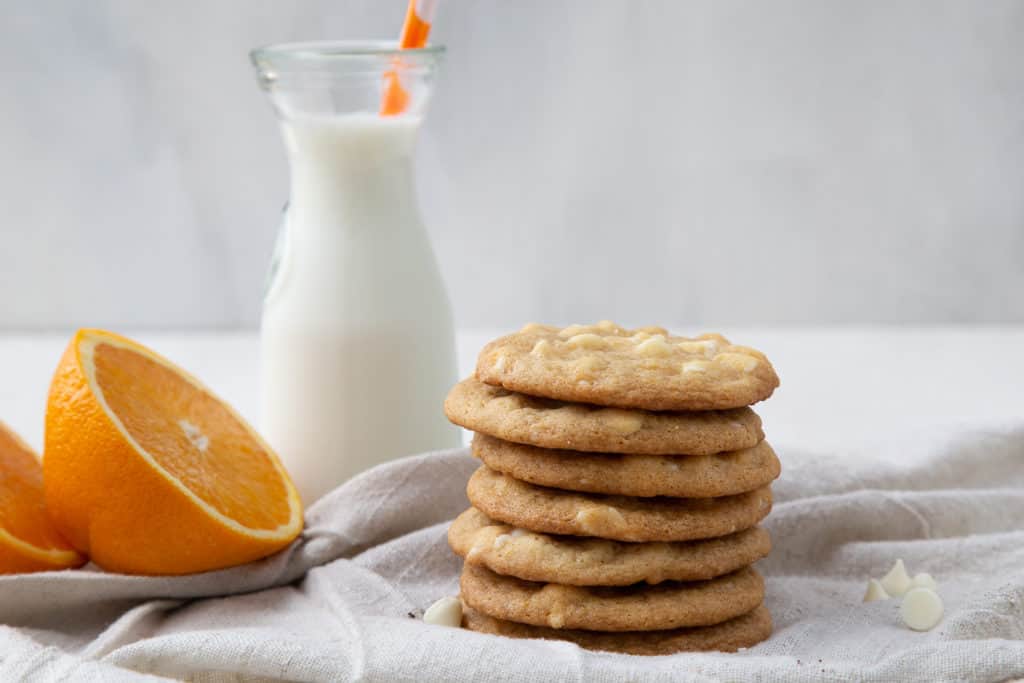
(623,480)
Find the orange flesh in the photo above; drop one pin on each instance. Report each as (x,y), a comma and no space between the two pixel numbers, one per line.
(22,513)
(414,35)
(193,437)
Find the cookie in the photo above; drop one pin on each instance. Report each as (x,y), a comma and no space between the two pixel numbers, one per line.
(611,366)
(582,427)
(618,518)
(623,608)
(746,630)
(682,476)
(577,561)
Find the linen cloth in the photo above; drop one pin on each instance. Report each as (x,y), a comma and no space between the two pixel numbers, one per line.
(335,605)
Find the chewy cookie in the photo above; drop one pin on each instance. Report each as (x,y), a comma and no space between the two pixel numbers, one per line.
(746,630)
(645,368)
(581,427)
(682,476)
(618,518)
(628,608)
(580,561)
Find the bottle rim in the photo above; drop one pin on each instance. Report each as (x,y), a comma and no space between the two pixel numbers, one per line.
(322,54)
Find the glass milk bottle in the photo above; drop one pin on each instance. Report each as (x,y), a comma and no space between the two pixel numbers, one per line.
(357,342)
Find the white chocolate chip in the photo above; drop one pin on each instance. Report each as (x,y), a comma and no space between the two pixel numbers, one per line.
(712,347)
(921,608)
(656,346)
(875,591)
(499,363)
(516,533)
(695,366)
(444,612)
(541,348)
(596,519)
(924,580)
(587,367)
(588,340)
(571,331)
(896,582)
(501,540)
(563,600)
(739,361)
(622,422)
(707,347)
(640,336)
(693,346)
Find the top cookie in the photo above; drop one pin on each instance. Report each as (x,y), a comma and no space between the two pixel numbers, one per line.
(644,368)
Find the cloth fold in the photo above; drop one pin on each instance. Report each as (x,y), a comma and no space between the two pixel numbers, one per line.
(340,603)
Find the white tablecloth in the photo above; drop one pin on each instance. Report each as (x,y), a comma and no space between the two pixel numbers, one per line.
(893,444)
(375,551)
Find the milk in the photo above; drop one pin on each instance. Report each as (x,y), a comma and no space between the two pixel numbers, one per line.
(357,342)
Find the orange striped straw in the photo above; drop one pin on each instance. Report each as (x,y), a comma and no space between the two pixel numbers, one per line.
(415,30)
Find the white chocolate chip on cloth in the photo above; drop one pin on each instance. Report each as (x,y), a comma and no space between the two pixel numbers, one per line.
(645,368)
(921,608)
(924,580)
(445,612)
(875,592)
(897,581)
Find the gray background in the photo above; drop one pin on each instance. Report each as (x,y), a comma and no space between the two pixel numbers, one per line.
(686,162)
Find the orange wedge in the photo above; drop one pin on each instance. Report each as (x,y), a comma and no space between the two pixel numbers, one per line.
(28,540)
(148,472)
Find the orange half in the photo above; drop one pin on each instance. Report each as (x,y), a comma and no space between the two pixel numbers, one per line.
(28,540)
(148,472)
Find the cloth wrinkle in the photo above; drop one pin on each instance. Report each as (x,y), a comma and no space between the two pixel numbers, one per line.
(335,605)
